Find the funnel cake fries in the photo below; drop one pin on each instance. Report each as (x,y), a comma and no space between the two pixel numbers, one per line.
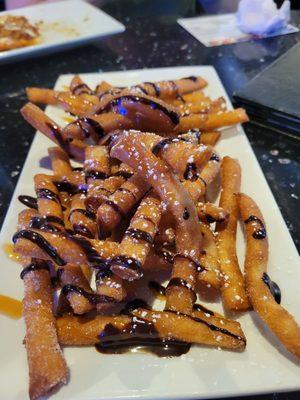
(137,204)
(47,366)
(233,286)
(264,294)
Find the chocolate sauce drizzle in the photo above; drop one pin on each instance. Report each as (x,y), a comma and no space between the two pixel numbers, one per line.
(28,201)
(87,213)
(83,230)
(191,78)
(165,142)
(190,173)
(155,87)
(93,298)
(64,186)
(44,193)
(41,242)
(214,157)
(274,288)
(186,214)
(88,126)
(103,273)
(35,265)
(56,133)
(141,88)
(44,223)
(140,335)
(140,235)
(115,206)
(124,174)
(95,175)
(172,115)
(81,88)
(128,262)
(167,254)
(181,282)
(259,233)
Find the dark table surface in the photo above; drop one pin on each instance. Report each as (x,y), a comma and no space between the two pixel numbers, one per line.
(154,39)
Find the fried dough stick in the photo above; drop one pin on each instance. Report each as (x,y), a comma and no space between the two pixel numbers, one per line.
(233,286)
(169,325)
(74,104)
(210,138)
(83,221)
(188,235)
(40,121)
(95,126)
(279,320)
(227,118)
(138,239)
(72,274)
(48,200)
(110,212)
(78,87)
(62,248)
(209,213)
(47,366)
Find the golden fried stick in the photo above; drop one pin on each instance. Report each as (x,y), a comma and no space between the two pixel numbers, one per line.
(48,200)
(95,126)
(41,96)
(112,286)
(138,239)
(63,248)
(84,331)
(82,220)
(71,274)
(188,235)
(165,325)
(281,323)
(47,367)
(210,138)
(192,121)
(78,87)
(233,286)
(197,187)
(209,213)
(147,113)
(25,217)
(40,121)
(110,212)
(209,257)
(60,162)
(102,87)
(227,118)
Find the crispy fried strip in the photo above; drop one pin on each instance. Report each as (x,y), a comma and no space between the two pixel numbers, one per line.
(71,274)
(60,162)
(210,138)
(48,200)
(102,87)
(192,121)
(110,212)
(111,285)
(210,213)
(78,87)
(138,238)
(84,331)
(40,121)
(188,235)
(82,221)
(209,257)
(191,329)
(95,126)
(227,118)
(41,96)
(47,367)
(71,249)
(233,286)
(279,320)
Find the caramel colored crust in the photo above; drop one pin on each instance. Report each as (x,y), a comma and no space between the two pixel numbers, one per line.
(233,286)
(281,323)
(47,367)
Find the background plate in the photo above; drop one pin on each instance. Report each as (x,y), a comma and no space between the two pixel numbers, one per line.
(65,24)
(202,373)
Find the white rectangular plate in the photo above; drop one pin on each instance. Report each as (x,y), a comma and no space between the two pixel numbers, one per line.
(202,373)
(65,24)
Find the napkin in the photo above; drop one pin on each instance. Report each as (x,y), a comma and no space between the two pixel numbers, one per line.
(262,17)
